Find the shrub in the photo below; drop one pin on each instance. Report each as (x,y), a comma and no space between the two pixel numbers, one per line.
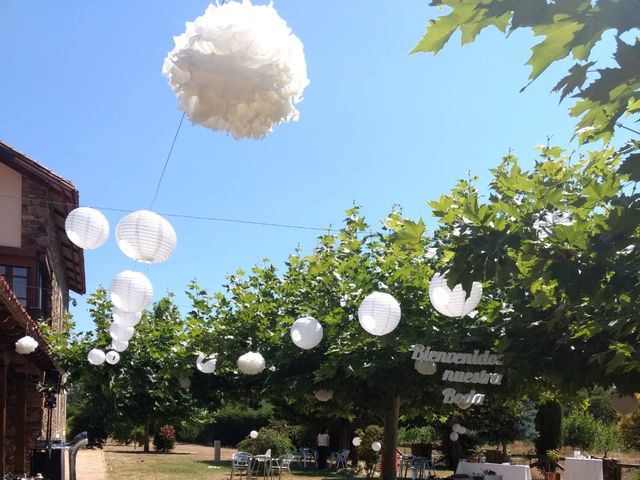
(548,423)
(268,438)
(608,438)
(232,423)
(372,433)
(165,438)
(630,430)
(580,430)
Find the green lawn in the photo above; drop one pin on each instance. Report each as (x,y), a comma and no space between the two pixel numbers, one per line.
(190,462)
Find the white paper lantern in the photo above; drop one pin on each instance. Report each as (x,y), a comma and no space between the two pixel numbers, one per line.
(96,357)
(131,291)
(206,364)
(379,313)
(423,367)
(456,427)
(253,434)
(121,332)
(624,405)
(238,68)
(119,345)
(462,430)
(453,303)
(376,446)
(306,332)
(323,395)
(251,363)
(130,319)
(26,345)
(146,237)
(87,228)
(453,436)
(357,441)
(185,383)
(112,357)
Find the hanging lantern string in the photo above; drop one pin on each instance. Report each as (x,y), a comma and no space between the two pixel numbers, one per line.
(177,215)
(166,162)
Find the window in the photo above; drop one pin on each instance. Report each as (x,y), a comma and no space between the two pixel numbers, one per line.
(17,277)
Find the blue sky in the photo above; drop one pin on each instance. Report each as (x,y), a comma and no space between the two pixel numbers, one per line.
(81,92)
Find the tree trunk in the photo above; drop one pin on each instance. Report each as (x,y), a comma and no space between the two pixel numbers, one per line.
(390,440)
(146,434)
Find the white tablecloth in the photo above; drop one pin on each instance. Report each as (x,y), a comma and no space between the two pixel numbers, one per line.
(582,469)
(508,472)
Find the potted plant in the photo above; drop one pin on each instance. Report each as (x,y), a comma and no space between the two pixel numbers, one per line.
(551,463)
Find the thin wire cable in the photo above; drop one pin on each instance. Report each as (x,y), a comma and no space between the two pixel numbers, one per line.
(166,162)
(178,215)
(618,124)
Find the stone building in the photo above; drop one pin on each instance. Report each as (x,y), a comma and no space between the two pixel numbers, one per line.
(38,268)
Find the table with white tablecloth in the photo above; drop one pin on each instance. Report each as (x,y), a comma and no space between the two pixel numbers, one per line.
(508,472)
(582,468)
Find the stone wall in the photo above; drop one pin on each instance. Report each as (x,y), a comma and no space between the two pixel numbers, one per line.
(39,232)
(33,419)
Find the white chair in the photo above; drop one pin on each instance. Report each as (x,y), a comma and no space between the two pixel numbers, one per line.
(341,459)
(283,463)
(240,464)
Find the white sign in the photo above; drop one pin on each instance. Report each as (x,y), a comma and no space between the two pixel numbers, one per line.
(449,395)
(420,352)
(482,377)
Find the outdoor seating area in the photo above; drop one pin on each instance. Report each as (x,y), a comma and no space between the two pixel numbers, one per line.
(305,240)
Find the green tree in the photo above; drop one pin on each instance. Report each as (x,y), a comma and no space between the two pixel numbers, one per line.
(368,375)
(569,28)
(143,387)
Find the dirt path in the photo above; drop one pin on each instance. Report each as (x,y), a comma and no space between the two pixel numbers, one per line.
(90,465)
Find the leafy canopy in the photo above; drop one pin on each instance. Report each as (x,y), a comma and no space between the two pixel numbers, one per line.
(569,28)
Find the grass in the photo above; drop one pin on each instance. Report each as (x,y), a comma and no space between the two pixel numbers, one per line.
(189,462)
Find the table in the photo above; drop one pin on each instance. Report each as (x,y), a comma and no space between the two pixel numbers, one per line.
(582,468)
(255,464)
(508,472)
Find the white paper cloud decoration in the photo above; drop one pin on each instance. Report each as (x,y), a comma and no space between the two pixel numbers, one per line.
(251,363)
(379,313)
(96,356)
(238,68)
(131,291)
(453,303)
(87,227)
(146,237)
(323,395)
(306,332)
(26,345)
(206,364)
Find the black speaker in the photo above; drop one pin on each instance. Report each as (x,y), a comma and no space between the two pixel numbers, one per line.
(50,466)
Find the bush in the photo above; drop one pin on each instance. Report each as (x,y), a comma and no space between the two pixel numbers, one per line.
(372,433)
(630,430)
(548,423)
(608,438)
(580,430)
(165,438)
(268,438)
(232,423)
